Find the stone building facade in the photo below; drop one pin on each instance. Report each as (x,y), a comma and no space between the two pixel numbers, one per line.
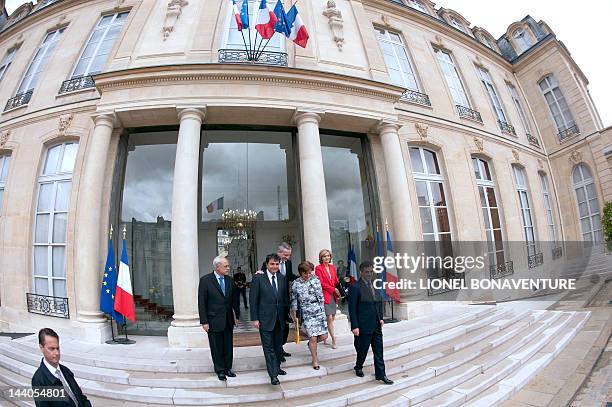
(120,112)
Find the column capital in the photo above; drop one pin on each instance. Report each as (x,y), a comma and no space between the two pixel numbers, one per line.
(191,112)
(108,118)
(307,116)
(387,126)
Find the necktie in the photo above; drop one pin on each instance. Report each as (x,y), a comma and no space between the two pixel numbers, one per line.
(60,376)
(283,272)
(222,284)
(274,284)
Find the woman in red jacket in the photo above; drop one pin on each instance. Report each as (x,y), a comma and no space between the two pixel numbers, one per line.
(326,272)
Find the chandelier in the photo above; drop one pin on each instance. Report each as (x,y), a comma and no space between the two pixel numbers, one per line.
(237,221)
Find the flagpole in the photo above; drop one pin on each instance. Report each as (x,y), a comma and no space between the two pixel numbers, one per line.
(392,320)
(112,340)
(263,49)
(249,27)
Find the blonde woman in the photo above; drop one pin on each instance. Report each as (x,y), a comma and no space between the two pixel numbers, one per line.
(326,272)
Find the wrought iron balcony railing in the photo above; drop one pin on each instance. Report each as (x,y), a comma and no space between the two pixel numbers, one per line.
(502,269)
(506,127)
(47,305)
(535,260)
(238,56)
(533,140)
(416,97)
(557,253)
(468,113)
(78,83)
(19,100)
(569,132)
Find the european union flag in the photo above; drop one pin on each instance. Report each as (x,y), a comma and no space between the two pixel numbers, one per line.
(109,284)
(244,14)
(281,25)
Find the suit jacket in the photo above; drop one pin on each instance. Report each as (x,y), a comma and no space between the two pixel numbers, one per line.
(44,378)
(365,310)
(217,310)
(288,269)
(266,306)
(328,284)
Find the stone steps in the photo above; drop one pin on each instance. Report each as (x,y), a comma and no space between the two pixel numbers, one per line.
(427,360)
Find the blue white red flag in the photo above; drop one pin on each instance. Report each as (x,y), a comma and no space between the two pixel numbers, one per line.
(237,15)
(266,20)
(390,274)
(124,298)
(351,268)
(109,284)
(298,31)
(281,25)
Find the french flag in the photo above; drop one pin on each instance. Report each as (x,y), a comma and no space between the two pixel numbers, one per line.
(266,20)
(237,15)
(298,32)
(124,298)
(390,274)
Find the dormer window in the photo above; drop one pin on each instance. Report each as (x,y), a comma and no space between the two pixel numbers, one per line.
(418,6)
(486,41)
(46,3)
(455,23)
(522,39)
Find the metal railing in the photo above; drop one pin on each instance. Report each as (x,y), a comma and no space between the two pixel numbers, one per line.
(533,140)
(506,127)
(569,132)
(237,56)
(416,97)
(468,113)
(78,83)
(19,100)
(47,305)
(502,269)
(535,260)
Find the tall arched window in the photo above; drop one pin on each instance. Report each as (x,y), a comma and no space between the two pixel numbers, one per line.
(522,39)
(588,205)
(492,218)
(5,160)
(54,185)
(526,215)
(558,107)
(396,58)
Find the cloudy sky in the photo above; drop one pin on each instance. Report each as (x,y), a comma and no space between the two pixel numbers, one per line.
(583,27)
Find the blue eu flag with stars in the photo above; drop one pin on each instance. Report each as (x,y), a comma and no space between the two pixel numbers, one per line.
(109,284)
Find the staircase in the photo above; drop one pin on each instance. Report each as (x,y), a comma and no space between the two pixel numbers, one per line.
(461,355)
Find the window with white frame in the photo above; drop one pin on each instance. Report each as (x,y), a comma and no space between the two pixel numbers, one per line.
(396,58)
(54,185)
(41,57)
(451,75)
(556,103)
(99,45)
(6,61)
(416,4)
(490,210)
(455,23)
(235,39)
(46,3)
(487,82)
(523,194)
(588,204)
(550,218)
(519,108)
(5,161)
(522,39)
(486,41)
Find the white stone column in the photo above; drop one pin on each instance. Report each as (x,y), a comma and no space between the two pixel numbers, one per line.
(401,211)
(185,330)
(89,259)
(312,182)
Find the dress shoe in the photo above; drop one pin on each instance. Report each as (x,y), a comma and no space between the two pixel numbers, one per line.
(286,354)
(359,372)
(281,372)
(230,373)
(316,367)
(221,376)
(385,380)
(274,381)
(282,359)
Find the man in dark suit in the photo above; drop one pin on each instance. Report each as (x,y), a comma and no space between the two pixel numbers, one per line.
(240,281)
(269,307)
(366,313)
(219,313)
(51,374)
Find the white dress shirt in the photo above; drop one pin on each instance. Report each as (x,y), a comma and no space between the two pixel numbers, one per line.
(57,372)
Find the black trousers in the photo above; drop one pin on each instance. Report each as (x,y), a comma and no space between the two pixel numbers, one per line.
(362,345)
(241,292)
(222,348)
(272,344)
(286,333)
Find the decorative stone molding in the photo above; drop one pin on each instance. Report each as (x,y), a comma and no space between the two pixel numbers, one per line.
(119,4)
(4,136)
(175,8)
(438,41)
(422,129)
(575,157)
(336,23)
(479,144)
(541,164)
(385,19)
(64,123)
(515,154)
